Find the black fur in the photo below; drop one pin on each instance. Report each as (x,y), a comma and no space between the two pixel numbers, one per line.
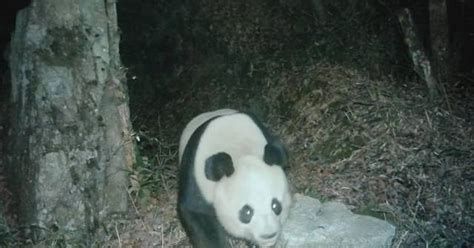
(197,217)
(219,165)
(275,153)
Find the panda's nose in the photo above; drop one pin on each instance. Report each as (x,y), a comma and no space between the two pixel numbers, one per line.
(268,236)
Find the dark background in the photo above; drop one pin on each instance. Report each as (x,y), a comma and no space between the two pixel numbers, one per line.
(175,32)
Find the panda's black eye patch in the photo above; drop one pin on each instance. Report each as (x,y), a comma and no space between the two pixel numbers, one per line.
(276,206)
(246,214)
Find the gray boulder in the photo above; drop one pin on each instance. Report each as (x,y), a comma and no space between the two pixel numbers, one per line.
(312,224)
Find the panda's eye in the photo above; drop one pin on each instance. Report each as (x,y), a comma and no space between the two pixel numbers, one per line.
(245,214)
(276,206)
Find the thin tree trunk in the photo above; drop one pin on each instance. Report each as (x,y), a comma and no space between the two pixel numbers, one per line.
(70,142)
(421,63)
(439,38)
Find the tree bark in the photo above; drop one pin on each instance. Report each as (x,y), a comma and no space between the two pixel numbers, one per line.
(439,37)
(70,141)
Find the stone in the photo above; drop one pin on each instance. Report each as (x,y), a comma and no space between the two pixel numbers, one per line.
(332,224)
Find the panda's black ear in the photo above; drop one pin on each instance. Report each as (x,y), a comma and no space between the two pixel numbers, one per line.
(275,153)
(218,165)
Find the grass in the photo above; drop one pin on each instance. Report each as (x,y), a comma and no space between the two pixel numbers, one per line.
(378,145)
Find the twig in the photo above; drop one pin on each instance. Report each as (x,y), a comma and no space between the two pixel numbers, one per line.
(136,209)
(400,241)
(118,235)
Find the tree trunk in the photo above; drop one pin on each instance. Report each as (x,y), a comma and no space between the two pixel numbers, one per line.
(439,38)
(421,63)
(70,143)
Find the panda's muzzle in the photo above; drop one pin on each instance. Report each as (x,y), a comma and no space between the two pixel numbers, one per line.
(268,236)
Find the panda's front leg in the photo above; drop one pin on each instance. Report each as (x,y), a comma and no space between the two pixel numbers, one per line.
(203,230)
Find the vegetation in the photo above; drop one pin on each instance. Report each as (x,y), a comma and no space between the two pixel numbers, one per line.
(337,87)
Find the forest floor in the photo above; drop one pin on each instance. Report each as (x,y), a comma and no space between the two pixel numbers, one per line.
(377,145)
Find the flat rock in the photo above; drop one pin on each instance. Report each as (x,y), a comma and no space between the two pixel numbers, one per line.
(332,224)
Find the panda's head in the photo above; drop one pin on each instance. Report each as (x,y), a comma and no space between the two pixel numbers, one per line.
(251,197)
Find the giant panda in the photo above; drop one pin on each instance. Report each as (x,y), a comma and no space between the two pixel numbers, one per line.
(231,180)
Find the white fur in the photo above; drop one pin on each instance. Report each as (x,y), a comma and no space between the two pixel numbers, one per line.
(253,182)
(257,183)
(195,123)
(237,135)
